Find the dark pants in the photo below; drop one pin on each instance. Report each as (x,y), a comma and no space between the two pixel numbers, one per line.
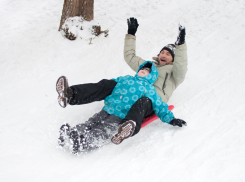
(90,92)
(98,130)
(141,109)
(87,93)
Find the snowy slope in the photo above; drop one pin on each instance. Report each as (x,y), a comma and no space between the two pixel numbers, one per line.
(211,100)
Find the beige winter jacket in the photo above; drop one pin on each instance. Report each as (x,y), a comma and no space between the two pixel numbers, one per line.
(170,76)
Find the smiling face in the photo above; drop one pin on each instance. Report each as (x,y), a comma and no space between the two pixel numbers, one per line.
(143,73)
(165,57)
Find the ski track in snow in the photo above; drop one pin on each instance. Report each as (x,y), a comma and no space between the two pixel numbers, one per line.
(34,54)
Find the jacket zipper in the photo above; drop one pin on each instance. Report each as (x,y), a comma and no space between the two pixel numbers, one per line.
(163,87)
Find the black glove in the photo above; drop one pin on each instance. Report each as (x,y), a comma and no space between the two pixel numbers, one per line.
(181,37)
(132,26)
(178,122)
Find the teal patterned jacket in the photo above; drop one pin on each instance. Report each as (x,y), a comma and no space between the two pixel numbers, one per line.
(129,89)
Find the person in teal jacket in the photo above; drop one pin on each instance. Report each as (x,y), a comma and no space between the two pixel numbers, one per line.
(108,124)
(129,89)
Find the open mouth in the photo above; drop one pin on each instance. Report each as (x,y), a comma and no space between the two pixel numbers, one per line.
(162,60)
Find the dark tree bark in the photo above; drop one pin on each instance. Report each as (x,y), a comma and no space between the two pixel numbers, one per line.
(71,8)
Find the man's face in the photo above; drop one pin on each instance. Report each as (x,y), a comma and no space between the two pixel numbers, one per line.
(165,57)
(143,73)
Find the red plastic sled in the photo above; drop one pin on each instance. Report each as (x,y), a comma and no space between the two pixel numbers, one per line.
(148,120)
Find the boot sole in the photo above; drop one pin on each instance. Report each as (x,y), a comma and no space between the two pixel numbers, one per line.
(124,131)
(61,88)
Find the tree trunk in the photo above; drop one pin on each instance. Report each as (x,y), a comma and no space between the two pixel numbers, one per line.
(71,8)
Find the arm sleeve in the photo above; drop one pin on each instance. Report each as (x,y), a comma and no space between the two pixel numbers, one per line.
(180,64)
(130,54)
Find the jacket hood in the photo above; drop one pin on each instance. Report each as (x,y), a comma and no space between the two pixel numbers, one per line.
(150,78)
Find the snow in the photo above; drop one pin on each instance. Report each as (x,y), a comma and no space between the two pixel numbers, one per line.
(211,99)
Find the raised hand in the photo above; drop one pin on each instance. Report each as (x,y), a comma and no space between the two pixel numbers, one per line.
(181,37)
(132,25)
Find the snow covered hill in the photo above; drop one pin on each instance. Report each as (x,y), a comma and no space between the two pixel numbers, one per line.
(211,99)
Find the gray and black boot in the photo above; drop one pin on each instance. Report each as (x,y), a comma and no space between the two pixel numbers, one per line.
(125,131)
(64,134)
(75,140)
(64,91)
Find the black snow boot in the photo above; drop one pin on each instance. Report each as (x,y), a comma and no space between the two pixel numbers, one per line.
(75,140)
(64,91)
(83,143)
(125,130)
(64,133)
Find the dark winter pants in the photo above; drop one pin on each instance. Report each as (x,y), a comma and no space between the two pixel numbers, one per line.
(87,93)
(98,130)
(140,110)
(90,92)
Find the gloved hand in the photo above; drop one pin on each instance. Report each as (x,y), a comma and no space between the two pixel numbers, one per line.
(132,25)
(181,37)
(178,122)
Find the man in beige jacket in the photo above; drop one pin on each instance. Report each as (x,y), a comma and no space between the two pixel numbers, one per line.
(171,63)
